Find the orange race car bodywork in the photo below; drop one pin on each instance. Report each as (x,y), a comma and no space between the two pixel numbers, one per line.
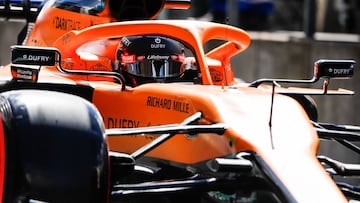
(260,120)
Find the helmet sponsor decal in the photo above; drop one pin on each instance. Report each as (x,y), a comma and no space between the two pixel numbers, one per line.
(157,57)
(157,44)
(125,41)
(128,58)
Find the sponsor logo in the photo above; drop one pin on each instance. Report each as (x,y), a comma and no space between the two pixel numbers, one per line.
(128,58)
(340,71)
(24,73)
(157,40)
(66,24)
(122,123)
(99,67)
(157,44)
(157,57)
(125,41)
(216,75)
(34,58)
(168,104)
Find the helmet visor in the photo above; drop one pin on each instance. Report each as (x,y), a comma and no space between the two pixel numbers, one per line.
(155,68)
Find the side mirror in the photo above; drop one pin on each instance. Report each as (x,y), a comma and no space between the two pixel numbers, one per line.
(327,69)
(323,68)
(41,56)
(27,61)
(334,68)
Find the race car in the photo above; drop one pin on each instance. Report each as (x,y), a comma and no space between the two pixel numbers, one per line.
(108,110)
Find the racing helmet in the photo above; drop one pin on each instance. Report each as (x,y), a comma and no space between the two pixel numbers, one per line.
(144,59)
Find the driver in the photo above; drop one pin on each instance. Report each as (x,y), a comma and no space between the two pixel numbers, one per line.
(146,59)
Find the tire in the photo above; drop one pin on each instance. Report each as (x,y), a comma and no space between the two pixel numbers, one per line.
(56,148)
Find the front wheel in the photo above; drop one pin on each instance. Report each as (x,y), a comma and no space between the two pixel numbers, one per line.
(55,148)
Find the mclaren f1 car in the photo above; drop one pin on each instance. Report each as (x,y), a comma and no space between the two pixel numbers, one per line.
(76,128)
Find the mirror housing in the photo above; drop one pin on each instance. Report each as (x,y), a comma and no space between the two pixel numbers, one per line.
(323,68)
(40,56)
(334,68)
(27,61)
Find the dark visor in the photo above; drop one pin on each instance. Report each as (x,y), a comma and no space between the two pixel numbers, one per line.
(155,68)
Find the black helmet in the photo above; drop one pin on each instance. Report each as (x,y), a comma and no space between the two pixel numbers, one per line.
(150,59)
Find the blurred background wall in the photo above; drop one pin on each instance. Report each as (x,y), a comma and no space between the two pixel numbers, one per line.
(9,30)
